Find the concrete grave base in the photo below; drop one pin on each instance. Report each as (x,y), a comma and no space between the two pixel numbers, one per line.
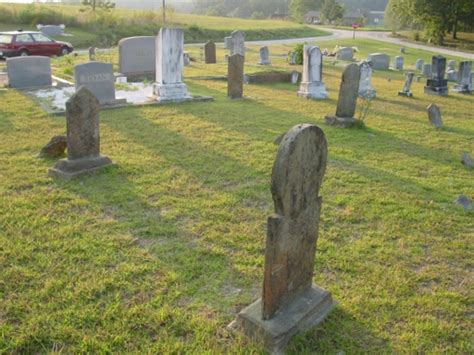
(314,90)
(69,169)
(171,92)
(405,94)
(307,311)
(437,91)
(368,94)
(343,122)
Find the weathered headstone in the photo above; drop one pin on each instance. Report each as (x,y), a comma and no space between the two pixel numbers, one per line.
(407,87)
(399,61)
(228,42)
(380,61)
(452,65)
(137,57)
(92,54)
(463,84)
(290,302)
(99,79)
(345,53)
(169,84)
(264,56)
(452,75)
(365,86)
(186,59)
(210,53)
(83,137)
(312,86)
(426,70)
(467,161)
(238,43)
(437,85)
(419,64)
(402,50)
(434,115)
(235,76)
(295,77)
(347,102)
(55,147)
(29,72)
(52,30)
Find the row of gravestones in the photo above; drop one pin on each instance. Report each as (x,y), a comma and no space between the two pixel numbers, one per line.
(290,302)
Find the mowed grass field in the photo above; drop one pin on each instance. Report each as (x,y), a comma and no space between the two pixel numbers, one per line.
(158,254)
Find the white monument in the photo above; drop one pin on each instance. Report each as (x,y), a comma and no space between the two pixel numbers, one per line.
(365,85)
(312,86)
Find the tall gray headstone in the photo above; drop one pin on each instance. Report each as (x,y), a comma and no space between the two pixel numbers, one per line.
(419,64)
(437,85)
(83,137)
(365,86)
(379,61)
(169,84)
(434,115)
(290,302)
(312,86)
(210,53)
(98,78)
(235,76)
(29,72)
(407,87)
(238,43)
(137,57)
(463,84)
(264,56)
(347,102)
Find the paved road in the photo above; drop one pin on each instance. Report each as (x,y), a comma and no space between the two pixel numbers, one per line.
(379,36)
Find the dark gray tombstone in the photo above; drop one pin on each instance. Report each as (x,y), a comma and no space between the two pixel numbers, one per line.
(437,85)
(434,115)
(83,138)
(137,57)
(463,84)
(29,72)
(235,76)
(92,54)
(99,79)
(290,302)
(264,56)
(407,87)
(347,102)
(210,53)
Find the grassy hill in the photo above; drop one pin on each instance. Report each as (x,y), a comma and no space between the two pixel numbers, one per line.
(106,28)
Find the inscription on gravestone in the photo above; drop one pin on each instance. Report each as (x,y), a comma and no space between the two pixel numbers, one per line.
(290,302)
(137,57)
(98,78)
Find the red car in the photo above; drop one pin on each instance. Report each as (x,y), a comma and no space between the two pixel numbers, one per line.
(24,43)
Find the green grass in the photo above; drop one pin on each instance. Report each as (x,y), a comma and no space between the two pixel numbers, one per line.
(464,42)
(158,254)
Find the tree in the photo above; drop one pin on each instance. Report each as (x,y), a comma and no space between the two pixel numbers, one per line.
(299,8)
(104,4)
(332,11)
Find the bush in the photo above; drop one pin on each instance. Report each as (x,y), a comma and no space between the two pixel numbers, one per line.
(258,15)
(299,49)
(416,36)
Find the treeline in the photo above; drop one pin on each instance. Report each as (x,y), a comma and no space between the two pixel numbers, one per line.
(241,8)
(435,18)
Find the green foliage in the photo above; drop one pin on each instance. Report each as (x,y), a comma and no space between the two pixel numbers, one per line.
(298,8)
(332,10)
(299,51)
(258,15)
(257,9)
(102,4)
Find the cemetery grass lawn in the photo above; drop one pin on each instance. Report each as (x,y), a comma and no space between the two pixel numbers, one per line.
(464,42)
(158,254)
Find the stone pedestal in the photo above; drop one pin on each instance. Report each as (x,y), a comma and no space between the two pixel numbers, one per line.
(307,311)
(314,90)
(170,92)
(69,169)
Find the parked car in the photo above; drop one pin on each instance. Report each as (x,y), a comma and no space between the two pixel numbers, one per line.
(24,43)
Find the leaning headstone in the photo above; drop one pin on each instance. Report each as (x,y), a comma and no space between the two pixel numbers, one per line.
(264,56)
(92,54)
(83,137)
(55,148)
(463,84)
(99,79)
(426,70)
(365,86)
(235,76)
(29,72)
(380,61)
(169,84)
(399,60)
(290,302)
(437,85)
(238,43)
(137,57)
(407,87)
(452,65)
(228,42)
(345,53)
(467,161)
(434,115)
(419,64)
(312,86)
(210,53)
(347,102)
